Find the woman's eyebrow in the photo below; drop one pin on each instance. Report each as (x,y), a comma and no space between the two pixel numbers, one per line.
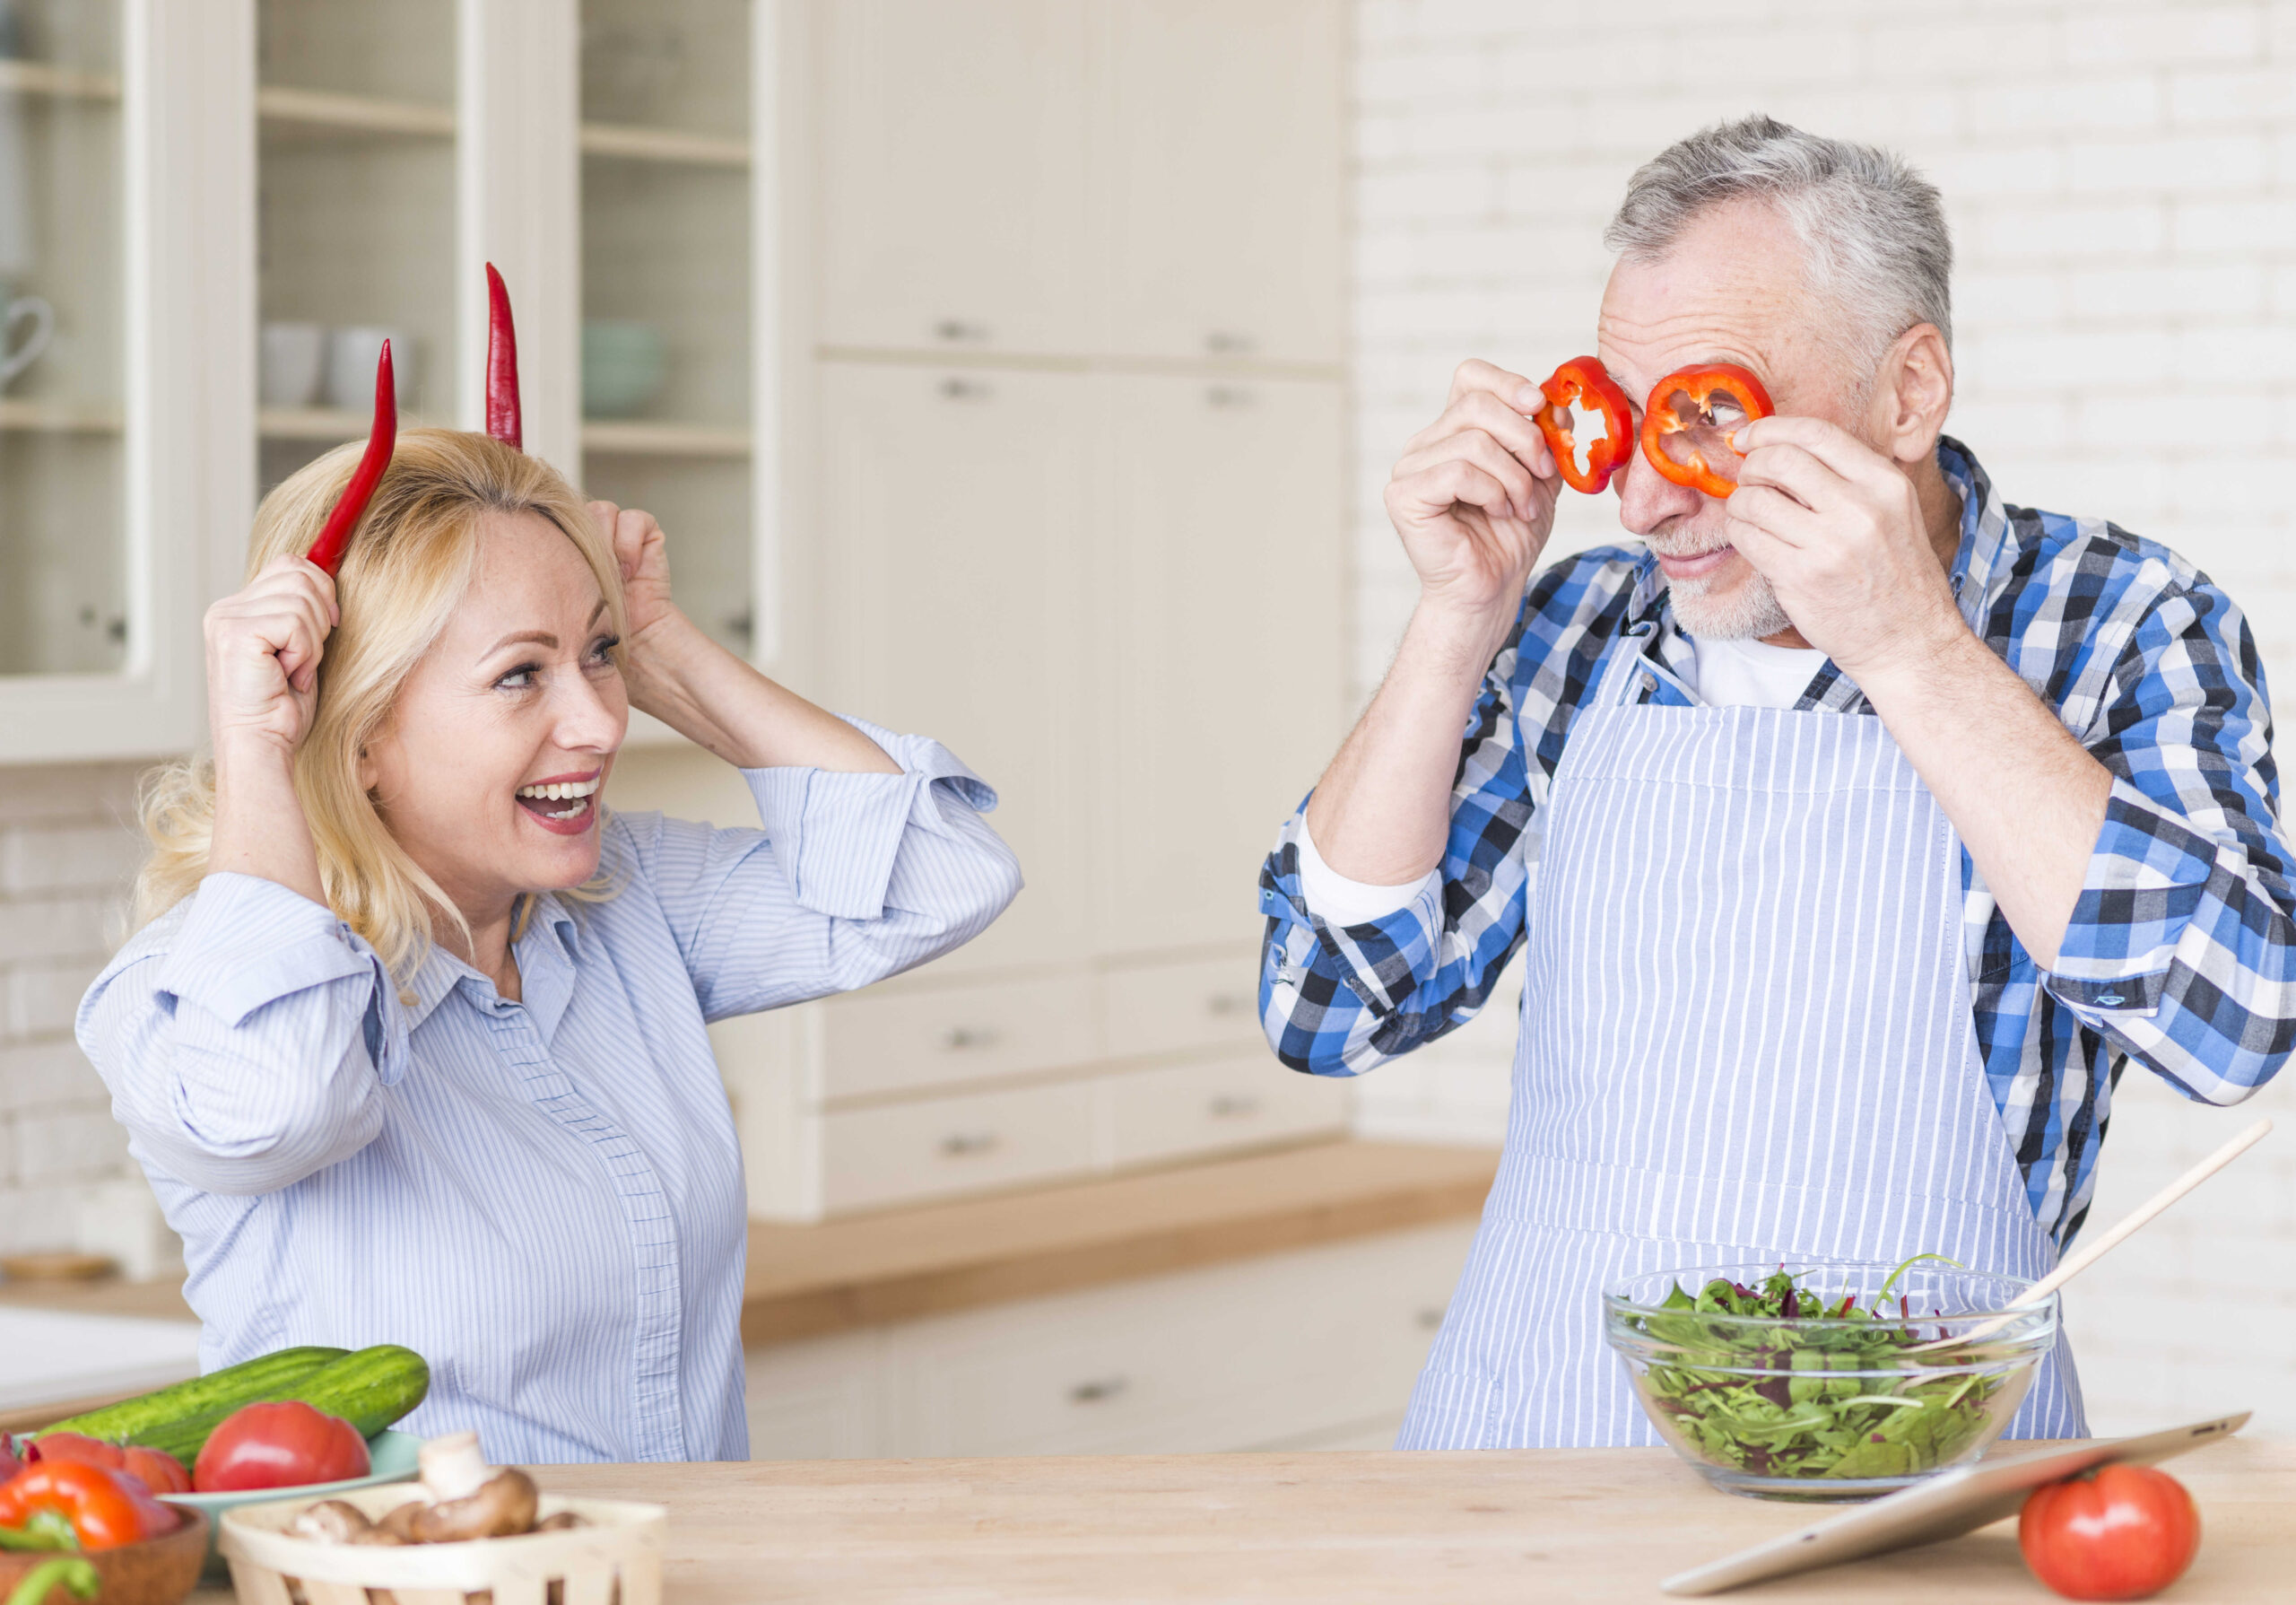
(541,638)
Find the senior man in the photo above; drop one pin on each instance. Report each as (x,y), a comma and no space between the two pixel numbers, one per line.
(1860,827)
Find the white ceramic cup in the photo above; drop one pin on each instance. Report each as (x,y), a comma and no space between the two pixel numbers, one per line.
(294,360)
(31,309)
(351,354)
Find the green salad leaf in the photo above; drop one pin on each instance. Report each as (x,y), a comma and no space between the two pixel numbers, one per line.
(1801,1399)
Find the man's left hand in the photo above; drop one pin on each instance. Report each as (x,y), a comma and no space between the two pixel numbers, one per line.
(1837,529)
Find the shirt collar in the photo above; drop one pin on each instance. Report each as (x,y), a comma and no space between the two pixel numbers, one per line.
(548,951)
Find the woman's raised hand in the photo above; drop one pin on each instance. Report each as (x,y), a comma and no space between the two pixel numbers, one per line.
(263,646)
(643,553)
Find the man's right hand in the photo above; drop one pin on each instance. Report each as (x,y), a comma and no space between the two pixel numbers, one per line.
(1474,494)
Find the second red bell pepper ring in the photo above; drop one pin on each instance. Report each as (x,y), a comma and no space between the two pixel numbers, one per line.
(1683,404)
(1584,380)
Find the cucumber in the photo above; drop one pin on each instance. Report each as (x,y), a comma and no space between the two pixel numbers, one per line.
(370,1389)
(225,1389)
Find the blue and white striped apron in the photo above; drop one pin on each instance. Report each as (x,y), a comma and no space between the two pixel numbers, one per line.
(1746,1036)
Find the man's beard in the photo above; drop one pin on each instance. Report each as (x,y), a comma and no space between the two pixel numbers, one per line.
(1749,612)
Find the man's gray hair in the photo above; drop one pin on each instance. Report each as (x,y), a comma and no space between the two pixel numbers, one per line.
(1873,230)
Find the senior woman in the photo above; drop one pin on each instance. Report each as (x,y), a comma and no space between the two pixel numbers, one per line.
(412,1045)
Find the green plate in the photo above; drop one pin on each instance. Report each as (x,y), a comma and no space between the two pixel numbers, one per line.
(391,1453)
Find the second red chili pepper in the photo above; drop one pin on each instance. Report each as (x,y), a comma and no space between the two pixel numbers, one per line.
(1666,414)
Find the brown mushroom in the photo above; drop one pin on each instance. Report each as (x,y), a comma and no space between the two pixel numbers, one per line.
(333,1522)
(503,1506)
(399,1520)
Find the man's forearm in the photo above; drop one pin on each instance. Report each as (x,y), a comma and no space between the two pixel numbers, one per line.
(1382,811)
(2027,800)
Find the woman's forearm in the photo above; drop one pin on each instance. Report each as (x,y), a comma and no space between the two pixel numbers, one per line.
(259,824)
(715,699)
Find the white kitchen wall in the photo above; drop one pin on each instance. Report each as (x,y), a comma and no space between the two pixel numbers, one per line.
(2121,178)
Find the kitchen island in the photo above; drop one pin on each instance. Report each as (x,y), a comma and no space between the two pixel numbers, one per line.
(1330,1528)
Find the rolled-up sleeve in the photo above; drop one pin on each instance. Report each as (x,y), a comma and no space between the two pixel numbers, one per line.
(848,879)
(2182,947)
(245,1040)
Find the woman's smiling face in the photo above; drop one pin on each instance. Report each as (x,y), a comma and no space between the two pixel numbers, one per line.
(489,771)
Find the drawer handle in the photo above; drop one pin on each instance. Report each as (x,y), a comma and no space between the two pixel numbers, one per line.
(1231,1106)
(958,329)
(967,1037)
(961,1145)
(1099,1389)
(1430,1319)
(1228,342)
(1230,395)
(966,389)
(1228,1003)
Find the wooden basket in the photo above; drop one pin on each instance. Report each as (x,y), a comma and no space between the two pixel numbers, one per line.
(614,1560)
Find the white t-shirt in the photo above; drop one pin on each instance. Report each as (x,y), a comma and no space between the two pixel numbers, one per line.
(1727,673)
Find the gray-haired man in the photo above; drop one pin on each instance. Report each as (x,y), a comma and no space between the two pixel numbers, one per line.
(1799,984)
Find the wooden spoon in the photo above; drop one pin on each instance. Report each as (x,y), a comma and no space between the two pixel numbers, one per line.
(2122,1231)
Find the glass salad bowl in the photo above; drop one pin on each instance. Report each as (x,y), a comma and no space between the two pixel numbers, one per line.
(1826,1379)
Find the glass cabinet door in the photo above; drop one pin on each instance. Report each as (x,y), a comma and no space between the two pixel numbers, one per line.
(666,287)
(64,608)
(355,110)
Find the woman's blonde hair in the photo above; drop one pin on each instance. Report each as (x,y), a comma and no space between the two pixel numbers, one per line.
(409,562)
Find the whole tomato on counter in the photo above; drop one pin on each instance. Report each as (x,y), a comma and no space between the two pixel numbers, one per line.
(2121,1532)
(279,1446)
(156,1469)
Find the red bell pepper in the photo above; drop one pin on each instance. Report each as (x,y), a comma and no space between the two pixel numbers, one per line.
(105,1508)
(156,1469)
(1703,406)
(1584,380)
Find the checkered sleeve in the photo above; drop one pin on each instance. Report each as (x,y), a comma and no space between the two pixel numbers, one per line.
(2182,948)
(1337,1001)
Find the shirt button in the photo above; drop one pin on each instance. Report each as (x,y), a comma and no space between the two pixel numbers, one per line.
(2109,998)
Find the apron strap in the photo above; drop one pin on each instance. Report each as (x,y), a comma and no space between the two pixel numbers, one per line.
(1627,662)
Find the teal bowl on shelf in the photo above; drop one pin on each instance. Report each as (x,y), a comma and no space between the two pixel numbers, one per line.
(393,1457)
(623,364)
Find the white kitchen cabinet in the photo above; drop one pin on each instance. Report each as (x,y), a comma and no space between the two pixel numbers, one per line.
(1318,1347)
(953,514)
(954,147)
(1223,205)
(877,1042)
(1213,1106)
(1222,578)
(1165,1006)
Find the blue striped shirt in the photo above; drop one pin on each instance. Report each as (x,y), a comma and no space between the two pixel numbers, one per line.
(2181,953)
(545,1198)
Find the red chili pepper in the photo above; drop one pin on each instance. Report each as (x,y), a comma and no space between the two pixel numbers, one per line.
(502,418)
(105,1508)
(1586,380)
(326,552)
(1683,404)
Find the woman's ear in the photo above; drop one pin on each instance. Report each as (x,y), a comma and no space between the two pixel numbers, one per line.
(369,772)
(1915,394)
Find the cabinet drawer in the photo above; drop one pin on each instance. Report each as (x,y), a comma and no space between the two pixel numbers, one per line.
(904,1042)
(1202,1003)
(1228,1103)
(938,1147)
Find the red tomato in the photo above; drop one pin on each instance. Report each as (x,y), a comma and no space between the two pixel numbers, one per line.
(156,1469)
(2122,1532)
(279,1446)
(78,1446)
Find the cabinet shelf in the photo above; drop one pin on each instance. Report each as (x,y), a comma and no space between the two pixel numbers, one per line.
(322,423)
(59,417)
(364,114)
(674,145)
(625,439)
(63,84)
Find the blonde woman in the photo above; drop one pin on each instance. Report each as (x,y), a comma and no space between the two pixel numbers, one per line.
(412,1043)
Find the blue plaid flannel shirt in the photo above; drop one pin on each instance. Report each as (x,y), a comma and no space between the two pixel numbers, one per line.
(2181,954)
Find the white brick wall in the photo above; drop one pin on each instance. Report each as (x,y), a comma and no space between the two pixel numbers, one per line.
(2121,177)
(67,852)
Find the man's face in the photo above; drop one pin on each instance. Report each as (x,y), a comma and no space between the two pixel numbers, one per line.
(1730,290)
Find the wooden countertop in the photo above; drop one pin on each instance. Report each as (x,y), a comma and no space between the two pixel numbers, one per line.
(805,1281)
(1329,1529)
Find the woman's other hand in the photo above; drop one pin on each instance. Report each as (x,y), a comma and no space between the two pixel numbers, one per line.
(643,553)
(264,647)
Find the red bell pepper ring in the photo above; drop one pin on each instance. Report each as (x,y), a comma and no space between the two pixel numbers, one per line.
(326,552)
(105,1508)
(1683,404)
(502,411)
(1584,380)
